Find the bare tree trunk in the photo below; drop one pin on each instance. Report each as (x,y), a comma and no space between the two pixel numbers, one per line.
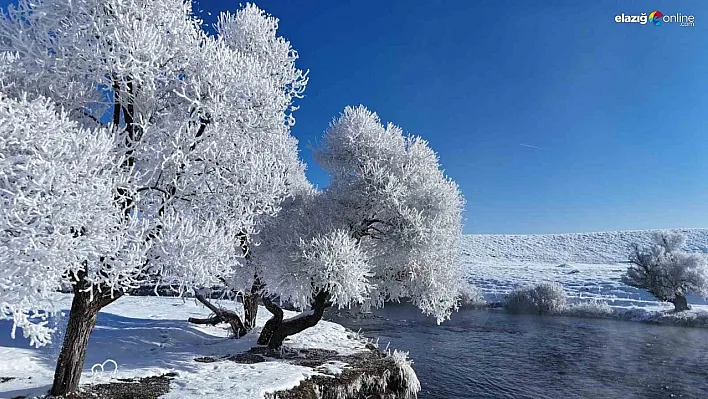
(250,311)
(250,305)
(680,303)
(272,324)
(82,320)
(277,329)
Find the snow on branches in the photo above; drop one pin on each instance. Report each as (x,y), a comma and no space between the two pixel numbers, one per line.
(389,190)
(156,148)
(387,228)
(58,217)
(303,254)
(666,271)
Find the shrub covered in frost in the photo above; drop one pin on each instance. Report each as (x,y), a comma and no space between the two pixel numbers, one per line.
(542,298)
(591,308)
(470,296)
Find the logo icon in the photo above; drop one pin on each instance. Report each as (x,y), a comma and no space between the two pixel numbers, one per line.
(655,17)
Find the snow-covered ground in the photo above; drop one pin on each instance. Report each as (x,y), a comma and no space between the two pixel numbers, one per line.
(589,265)
(148,336)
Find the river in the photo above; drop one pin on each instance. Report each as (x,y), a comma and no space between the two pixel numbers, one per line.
(491,354)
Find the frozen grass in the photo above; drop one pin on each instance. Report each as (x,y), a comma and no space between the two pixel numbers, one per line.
(406,374)
(593,308)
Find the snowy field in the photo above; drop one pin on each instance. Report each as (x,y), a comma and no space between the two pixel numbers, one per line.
(589,265)
(150,336)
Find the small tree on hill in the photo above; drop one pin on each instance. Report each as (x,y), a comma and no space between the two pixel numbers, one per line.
(667,272)
(387,228)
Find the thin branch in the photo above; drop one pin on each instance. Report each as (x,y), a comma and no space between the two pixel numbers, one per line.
(116,104)
(141,189)
(88,115)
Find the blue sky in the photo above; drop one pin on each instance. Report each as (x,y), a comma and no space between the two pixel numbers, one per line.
(550,116)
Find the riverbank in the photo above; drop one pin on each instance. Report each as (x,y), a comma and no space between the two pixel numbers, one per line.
(696,318)
(144,347)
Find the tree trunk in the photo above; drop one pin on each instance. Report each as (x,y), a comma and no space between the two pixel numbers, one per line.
(272,324)
(277,329)
(82,320)
(680,303)
(250,311)
(250,305)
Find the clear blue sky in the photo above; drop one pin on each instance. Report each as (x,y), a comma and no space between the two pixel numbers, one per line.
(550,116)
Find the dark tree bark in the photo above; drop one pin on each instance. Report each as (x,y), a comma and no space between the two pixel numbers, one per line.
(211,321)
(82,320)
(250,311)
(272,324)
(277,329)
(220,316)
(250,305)
(680,303)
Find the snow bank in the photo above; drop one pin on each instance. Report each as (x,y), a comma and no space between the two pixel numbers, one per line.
(149,336)
(370,374)
(689,318)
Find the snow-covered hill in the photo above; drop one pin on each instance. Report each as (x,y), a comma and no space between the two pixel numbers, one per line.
(589,265)
(601,247)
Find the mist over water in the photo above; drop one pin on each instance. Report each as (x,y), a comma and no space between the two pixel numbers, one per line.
(491,354)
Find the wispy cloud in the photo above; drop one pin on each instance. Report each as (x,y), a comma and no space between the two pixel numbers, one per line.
(531,146)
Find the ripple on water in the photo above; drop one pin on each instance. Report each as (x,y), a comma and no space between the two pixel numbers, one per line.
(491,354)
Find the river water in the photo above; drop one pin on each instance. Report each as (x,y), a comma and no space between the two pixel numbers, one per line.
(491,354)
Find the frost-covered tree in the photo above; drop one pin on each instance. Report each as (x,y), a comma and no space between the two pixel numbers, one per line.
(152,151)
(58,186)
(387,228)
(251,31)
(666,271)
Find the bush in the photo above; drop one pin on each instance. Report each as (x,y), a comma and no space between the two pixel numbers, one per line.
(542,298)
(591,308)
(470,296)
